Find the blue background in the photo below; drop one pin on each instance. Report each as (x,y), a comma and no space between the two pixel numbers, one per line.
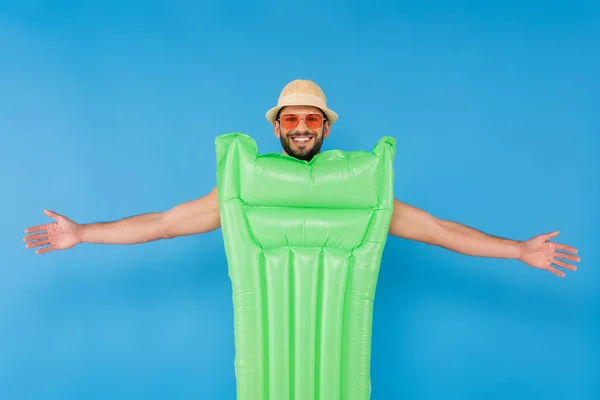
(111,110)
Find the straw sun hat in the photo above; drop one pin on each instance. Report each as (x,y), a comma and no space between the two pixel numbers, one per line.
(302,92)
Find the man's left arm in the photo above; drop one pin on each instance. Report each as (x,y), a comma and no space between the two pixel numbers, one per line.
(411,223)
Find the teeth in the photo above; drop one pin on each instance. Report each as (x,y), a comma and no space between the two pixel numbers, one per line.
(301,139)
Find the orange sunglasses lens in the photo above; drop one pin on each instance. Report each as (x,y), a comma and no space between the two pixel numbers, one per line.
(312,121)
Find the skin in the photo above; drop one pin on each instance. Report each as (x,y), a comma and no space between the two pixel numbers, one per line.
(202,215)
(303,151)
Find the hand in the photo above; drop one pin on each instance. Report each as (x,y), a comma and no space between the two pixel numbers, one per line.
(539,252)
(59,235)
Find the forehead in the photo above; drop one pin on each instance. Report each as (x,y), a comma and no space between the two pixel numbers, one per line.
(300,109)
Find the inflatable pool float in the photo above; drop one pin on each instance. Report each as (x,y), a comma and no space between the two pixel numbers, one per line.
(303,241)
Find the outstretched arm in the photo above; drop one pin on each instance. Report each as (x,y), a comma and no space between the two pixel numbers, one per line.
(193,217)
(412,223)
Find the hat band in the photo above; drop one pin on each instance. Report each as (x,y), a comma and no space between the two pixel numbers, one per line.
(302,99)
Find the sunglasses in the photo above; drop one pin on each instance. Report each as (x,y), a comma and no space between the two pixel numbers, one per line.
(291,120)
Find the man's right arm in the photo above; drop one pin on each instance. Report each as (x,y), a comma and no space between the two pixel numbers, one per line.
(193,217)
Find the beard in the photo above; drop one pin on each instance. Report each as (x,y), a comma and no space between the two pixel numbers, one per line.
(297,150)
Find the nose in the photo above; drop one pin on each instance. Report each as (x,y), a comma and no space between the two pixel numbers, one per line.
(302,125)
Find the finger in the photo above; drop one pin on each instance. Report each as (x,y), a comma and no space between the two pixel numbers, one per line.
(36,228)
(567,256)
(55,216)
(551,235)
(38,243)
(565,247)
(565,265)
(44,250)
(556,271)
(37,236)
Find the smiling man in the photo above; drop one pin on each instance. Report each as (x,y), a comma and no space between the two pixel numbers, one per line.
(302,121)
(282,256)
(299,131)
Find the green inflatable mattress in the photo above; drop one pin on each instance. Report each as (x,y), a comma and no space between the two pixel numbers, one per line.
(303,242)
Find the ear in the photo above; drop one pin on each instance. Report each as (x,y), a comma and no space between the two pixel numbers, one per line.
(276,129)
(326,129)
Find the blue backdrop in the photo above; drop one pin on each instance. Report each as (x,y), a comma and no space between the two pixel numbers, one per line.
(111,110)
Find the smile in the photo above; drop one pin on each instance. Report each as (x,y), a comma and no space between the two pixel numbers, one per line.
(302,139)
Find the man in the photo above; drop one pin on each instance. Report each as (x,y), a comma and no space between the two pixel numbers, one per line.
(301,120)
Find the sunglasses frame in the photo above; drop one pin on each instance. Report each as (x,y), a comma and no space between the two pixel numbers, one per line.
(302,116)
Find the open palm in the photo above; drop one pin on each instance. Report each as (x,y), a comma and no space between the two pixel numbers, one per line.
(540,252)
(59,235)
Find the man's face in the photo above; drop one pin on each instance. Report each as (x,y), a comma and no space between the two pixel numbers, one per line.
(301,130)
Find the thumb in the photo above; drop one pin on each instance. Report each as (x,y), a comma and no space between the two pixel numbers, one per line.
(551,235)
(51,214)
